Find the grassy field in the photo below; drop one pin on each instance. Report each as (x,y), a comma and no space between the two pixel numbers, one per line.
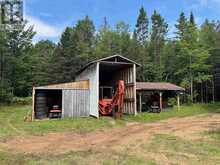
(187,110)
(12,123)
(12,120)
(205,151)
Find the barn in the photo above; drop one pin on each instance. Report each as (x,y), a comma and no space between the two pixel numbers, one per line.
(94,81)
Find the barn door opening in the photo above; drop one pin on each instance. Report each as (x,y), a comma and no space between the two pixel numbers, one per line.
(109,75)
(46,101)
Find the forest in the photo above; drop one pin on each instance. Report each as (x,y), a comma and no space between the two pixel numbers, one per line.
(189,57)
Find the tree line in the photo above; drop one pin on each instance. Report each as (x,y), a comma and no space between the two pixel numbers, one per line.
(189,57)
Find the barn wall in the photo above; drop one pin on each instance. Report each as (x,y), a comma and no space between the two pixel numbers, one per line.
(92,74)
(72,85)
(75,103)
(129,77)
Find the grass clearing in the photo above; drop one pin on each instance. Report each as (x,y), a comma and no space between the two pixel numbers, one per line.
(12,120)
(160,149)
(177,149)
(12,123)
(78,158)
(186,110)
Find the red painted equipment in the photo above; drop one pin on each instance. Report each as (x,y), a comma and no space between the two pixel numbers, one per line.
(106,106)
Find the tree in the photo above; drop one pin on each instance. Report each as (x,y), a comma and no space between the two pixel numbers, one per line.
(42,54)
(141,30)
(191,19)
(5,86)
(19,42)
(192,59)
(181,26)
(159,30)
(74,50)
(62,62)
(109,41)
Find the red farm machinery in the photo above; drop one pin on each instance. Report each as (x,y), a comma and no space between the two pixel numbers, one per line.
(114,105)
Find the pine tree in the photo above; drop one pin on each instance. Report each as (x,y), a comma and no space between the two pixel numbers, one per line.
(20,46)
(142,26)
(191,19)
(84,34)
(42,54)
(181,26)
(63,61)
(158,33)
(74,50)
(5,85)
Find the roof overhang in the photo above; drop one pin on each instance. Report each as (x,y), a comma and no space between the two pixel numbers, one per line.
(158,86)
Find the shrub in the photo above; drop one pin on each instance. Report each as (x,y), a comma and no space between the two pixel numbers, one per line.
(172,101)
(22,100)
(6,94)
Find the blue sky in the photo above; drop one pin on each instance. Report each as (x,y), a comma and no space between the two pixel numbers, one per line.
(50,17)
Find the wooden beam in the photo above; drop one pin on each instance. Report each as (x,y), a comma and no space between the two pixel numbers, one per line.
(134,89)
(178,101)
(161,100)
(33,104)
(140,102)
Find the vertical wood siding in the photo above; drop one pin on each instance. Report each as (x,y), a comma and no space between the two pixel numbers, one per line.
(75,103)
(129,77)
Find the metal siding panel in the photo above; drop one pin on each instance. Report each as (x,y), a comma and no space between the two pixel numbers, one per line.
(92,74)
(75,103)
(67,103)
(74,96)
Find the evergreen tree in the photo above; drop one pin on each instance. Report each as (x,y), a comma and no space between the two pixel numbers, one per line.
(191,19)
(181,26)
(19,45)
(5,85)
(74,50)
(42,54)
(158,33)
(142,27)
(62,63)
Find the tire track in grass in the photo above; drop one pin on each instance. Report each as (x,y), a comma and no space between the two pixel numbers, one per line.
(13,127)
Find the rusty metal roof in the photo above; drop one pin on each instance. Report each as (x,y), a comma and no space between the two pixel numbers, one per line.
(158,86)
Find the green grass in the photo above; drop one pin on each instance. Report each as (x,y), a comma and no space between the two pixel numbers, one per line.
(186,110)
(12,120)
(176,149)
(179,150)
(12,123)
(71,158)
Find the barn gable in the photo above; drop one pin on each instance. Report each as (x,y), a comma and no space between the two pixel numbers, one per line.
(117,59)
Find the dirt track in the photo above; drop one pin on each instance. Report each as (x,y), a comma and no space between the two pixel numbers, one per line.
(115,138)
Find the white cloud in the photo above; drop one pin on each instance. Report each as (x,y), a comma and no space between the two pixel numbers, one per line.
(206,3)
(43,29)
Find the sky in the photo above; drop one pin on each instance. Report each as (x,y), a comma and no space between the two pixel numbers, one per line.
(50,17)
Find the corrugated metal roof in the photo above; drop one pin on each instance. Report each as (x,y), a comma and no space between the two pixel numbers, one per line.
(106,59)
(158,86)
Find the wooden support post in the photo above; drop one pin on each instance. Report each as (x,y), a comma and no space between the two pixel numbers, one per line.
(134,90)
(140,102)
(33,104)
(178,101)
(161,100)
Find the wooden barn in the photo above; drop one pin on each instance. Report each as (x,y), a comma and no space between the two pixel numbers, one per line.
(94,81)
(66,100)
